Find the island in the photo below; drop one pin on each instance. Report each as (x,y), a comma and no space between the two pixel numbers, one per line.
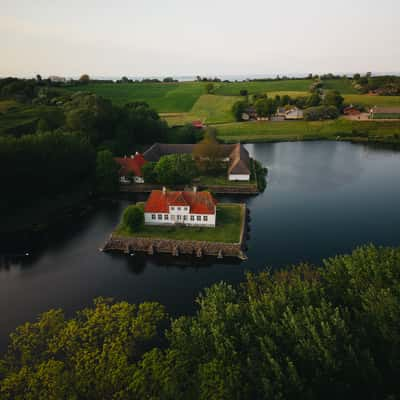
(182,222)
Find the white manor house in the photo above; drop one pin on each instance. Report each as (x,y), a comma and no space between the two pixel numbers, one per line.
(182,207)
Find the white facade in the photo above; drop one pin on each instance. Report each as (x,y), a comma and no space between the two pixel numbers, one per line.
(180,215)
(239,177)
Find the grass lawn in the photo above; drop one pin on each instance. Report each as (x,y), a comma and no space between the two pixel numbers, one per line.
(303,130)
(229,224)
(164,97)
(5,105)
(386,116)
(370,101)
(344,86)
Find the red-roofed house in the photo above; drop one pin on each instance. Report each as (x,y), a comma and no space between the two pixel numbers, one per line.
(198,124)
(131,168)
(188,208)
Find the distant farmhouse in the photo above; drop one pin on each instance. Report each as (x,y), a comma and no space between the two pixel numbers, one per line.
(183,207)
(235,154)
(131,168)
(384,112)
(293,113)
(55,78)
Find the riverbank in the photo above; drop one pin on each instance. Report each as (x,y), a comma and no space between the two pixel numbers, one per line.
(225,240)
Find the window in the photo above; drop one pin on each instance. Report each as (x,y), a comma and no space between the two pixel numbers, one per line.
(205,218)
(166,216)
(192,217)
(153,216)
(179,217)
(185,217)
(198,218)
(179,209)
(172,208)
(159,216)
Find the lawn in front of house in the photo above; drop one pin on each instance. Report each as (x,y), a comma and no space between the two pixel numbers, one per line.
(229,224)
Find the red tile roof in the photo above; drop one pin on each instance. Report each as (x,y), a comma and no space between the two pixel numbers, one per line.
(197,124)
(199,202)
(131,164)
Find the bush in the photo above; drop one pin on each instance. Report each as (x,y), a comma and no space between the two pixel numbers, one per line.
(149,172)
(133,218)
(321,113)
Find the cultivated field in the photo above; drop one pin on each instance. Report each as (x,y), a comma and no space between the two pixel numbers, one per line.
(367,100)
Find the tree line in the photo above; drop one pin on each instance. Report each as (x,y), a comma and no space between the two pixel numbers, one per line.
(304,332)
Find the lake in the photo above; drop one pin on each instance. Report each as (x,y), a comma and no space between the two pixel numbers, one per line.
(322,198)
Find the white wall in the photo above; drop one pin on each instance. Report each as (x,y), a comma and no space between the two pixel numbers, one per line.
(233,177)
(173,219)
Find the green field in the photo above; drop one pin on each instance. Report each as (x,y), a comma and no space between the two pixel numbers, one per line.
(164,97)
(370,101)
(22,119)
(227,230)
(304,130)
(233,89)
(344,86)
(386,116)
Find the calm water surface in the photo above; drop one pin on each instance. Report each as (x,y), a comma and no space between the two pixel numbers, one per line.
(322,198)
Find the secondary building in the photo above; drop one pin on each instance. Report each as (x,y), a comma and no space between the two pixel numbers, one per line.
(235,155)
(131,168)
(195,208)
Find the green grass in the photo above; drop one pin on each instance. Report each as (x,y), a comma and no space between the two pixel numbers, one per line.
(344,86)
(370,101)
(5,105)
(233,89)
(304,130)
(227,230)
(222,180)
(387,116)
(164,97)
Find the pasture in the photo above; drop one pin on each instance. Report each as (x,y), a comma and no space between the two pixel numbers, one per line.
(304,130)
(164,97)
(344,85)
(370,101)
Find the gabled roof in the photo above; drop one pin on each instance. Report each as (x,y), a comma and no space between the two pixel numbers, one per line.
(131,165)
(199,202)
(240,161)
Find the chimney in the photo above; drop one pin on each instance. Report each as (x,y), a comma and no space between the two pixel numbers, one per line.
(164,190)
(195,189)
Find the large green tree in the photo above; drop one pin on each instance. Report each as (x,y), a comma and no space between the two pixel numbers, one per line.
(176,169)
(106,173)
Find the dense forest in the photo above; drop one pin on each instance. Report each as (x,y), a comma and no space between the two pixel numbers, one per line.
(304,332)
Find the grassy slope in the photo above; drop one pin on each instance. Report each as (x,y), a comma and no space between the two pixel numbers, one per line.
(164,97)
(233,89)
(298,130)
(344,86)
(367,100)
(229,222)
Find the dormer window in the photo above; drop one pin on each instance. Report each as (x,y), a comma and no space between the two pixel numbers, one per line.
(172,208)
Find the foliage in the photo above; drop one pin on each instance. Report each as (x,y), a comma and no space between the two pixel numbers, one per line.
(207,154)
(185,134)
(321,113)
(209,88)
(106,173)
(133,219)
(149,172)
(333,98)
(44,165)
(265,107)
(317,333)
(239,108)
(176,169)
(259,172)
(84,79)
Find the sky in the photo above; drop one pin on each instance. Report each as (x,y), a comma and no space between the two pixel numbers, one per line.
(208,37)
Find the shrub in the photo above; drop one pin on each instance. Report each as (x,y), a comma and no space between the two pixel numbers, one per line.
(133,218)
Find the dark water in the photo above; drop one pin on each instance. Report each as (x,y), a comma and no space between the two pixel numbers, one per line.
(322,198)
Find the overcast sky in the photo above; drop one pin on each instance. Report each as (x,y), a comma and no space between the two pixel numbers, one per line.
(207,37)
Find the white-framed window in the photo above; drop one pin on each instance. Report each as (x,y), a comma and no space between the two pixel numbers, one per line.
(179,209)
(166,217)
(198,218)
(172,208)
(205,218)
(185,217)
(179,217)
(153,216)
(159,216)
(192,217)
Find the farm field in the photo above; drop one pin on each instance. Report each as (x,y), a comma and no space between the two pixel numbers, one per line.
(304,130)
(164,97)
(344,86)
(370,101)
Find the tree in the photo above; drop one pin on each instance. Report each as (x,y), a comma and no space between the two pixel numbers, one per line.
(133,218)
(106,173)
(149,172)
(265,107)
(239,108)
(84,78)
(321,113)
(176,169)
(209,88)
(333,98)
(244,92)
(207,153)
(313,100)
